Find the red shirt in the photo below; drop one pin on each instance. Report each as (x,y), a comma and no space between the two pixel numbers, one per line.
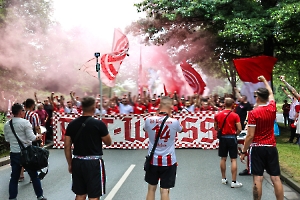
(175,108)
(42,115)
(208,108)
(61,110)
(230,124)
(139,108)
(263,118)
(152,108)
(113,110)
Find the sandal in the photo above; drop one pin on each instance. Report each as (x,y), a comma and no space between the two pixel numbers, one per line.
(21,179)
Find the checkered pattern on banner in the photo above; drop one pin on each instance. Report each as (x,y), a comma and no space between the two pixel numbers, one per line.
(135,138)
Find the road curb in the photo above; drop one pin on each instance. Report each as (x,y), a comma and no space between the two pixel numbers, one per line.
(289,181)
(6,160)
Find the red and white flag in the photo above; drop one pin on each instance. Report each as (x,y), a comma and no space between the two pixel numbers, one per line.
(193,78)
(251,68)
(110,62)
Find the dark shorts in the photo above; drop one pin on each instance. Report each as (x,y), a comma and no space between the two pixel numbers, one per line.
(228,145)
(88,177)
(166,175)
(264,158)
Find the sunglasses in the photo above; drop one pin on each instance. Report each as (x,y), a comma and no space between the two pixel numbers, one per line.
(255,96)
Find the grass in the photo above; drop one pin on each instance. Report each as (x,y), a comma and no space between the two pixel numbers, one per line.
(289,154)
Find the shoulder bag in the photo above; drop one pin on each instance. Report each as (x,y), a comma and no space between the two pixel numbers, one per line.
(82,126)
(220,130)
(149,157)
(32,157)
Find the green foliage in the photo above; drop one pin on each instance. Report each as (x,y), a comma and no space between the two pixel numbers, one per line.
(36,13)
(238,28)
(242,27)
(4,146)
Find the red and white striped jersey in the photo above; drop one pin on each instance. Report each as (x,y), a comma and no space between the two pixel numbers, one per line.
(164,154)
(33,118)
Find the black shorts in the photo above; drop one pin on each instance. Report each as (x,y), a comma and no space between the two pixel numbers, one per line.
(228,145)
(264,158)
(88,177)
(166,175)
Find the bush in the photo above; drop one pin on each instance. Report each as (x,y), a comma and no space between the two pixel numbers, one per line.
(4,146)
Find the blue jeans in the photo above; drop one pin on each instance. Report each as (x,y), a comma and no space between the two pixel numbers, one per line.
(15,175)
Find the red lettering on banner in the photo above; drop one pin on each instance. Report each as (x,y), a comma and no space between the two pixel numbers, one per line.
(205,130)
(127,121)
(138,132)
(193,129)
(117,131)
(63,127)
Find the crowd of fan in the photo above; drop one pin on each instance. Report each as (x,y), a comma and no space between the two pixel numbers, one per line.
(137,104)
(144,103)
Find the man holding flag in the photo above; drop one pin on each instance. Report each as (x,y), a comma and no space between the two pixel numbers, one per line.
(260,141)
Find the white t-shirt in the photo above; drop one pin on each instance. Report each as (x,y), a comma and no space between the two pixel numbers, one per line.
(191,109)
(97,111)
(292,113)
(125,109)
(164,154)
(24,131)
(70,110)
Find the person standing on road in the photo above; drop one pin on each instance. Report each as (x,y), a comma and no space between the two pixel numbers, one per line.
(228,141)
(164,163)
(24,131)
(260,139)
(285,112)
(293,113)
(242,108)
(87,166)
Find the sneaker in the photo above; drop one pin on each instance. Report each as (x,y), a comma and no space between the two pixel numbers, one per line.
(224,181)
(236,184)
(42,198)
(245,172)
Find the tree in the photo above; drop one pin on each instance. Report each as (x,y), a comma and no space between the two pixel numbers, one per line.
(239,28)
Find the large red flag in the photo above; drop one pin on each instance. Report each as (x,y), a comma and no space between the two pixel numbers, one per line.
(111,62)
(193,78)
(251,68)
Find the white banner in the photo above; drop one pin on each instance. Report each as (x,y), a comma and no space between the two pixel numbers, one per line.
(127,130)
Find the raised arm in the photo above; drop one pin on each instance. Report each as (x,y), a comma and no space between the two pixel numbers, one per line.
(238,94)
(51,99)
(290,88)
(268,87)
(35,98)
(285,92)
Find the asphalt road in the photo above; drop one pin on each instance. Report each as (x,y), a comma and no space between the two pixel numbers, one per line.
(198,177)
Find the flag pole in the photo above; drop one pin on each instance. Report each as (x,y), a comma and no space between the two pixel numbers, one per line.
(98,67)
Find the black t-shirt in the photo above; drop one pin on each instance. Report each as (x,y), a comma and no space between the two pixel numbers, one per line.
(89,142)
(49,109)
(242,109)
